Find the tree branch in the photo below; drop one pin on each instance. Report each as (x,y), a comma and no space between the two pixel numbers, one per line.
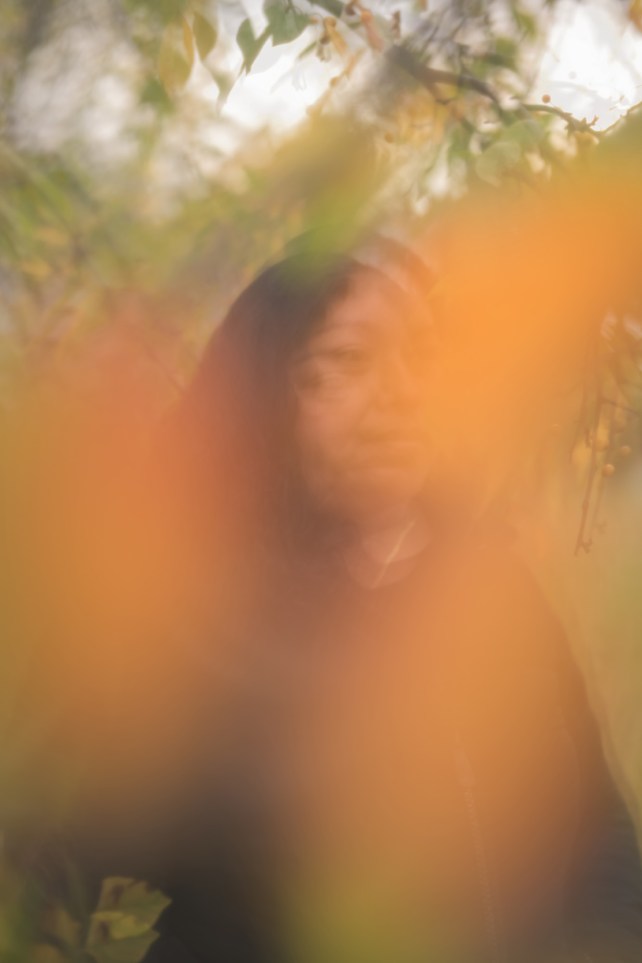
(429,77)
(402,57)
(573,122)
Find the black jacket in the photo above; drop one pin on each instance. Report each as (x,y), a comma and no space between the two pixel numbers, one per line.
(459,720)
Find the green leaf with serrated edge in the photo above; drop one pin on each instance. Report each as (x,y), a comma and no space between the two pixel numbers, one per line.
(132,896)
(205,35)
(128,926)
(122,951)
(123,895)
(120,929)
(250,45)
(286,23)
(106,916)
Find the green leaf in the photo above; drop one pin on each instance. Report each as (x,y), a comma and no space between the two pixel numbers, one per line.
(525,22)
(285,22)
(169,10)
(249,44)
(122,951)
(154,94)
(132,897)
(205,35)
(163,11)
(459,147)
(127,926)
(504,54)
(224,83)
(527,134)
(497,160)
(120,929)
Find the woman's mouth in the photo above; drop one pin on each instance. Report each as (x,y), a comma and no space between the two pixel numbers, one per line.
(392,452)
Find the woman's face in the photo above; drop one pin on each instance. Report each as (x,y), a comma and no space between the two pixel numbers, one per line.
(360,387)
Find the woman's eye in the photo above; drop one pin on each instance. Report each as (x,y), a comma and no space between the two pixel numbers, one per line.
(327,376)
(332,369)
(351,358)
(315,377)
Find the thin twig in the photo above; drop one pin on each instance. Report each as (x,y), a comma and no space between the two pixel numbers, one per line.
(581,542)
(430,77)
(400,55)
(573,122)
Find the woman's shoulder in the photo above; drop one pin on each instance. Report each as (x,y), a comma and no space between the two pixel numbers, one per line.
(485,555)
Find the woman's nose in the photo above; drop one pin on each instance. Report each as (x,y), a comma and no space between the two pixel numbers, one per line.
(399,384)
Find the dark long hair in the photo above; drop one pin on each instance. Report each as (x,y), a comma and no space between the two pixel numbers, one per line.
(234,426)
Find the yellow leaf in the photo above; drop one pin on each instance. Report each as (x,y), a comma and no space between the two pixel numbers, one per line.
(52,236)
(334,36)
(372,31)
(188,42)
(173,67)
(35,269)
(635,13)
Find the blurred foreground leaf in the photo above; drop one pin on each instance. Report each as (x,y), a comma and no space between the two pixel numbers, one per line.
(120,929)
(285,21)
(249,44)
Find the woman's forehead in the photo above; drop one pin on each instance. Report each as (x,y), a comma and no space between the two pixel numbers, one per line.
(371,305)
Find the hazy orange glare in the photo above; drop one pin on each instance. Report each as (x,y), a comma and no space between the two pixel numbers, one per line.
(117,602)
(523,287)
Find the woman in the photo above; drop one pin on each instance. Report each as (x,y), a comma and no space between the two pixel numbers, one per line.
(391,753)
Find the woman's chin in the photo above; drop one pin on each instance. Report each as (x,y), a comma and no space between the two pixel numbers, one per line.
(384,491)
